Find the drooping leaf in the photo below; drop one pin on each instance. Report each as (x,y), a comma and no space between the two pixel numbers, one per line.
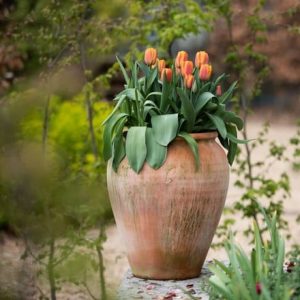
(108,133)
(219,123)
(156,153)
(232,149)
(136,149)
(230,117)
(234,139)
(165,128)
(203,100)
(193,146)
(123,71)
(131,94)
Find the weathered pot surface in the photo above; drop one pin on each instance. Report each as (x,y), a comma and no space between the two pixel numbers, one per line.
(167,217)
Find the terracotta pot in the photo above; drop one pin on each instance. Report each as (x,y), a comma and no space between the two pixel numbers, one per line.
(167,217)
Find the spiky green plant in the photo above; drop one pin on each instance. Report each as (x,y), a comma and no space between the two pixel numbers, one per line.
(259,277)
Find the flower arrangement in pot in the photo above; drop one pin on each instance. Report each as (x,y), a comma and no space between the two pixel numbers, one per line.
(167,176)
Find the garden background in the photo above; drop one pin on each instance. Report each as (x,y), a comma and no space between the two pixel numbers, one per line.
(58,77)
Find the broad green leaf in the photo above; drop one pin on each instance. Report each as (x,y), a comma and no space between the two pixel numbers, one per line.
(118,150)
(165,128)
(156,153)
(187,109)
(202,100)
(193,145)
(219,123)
(123,70)
(136,149)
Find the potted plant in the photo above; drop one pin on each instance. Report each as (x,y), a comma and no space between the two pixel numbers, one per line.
(167,176)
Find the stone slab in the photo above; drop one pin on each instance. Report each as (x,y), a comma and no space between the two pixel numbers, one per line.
(135,288)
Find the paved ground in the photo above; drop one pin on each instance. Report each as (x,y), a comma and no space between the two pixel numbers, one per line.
(16,277)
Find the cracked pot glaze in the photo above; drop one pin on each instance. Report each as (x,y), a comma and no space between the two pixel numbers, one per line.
(167,217)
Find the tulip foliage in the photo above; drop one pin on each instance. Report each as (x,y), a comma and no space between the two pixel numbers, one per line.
(160,103)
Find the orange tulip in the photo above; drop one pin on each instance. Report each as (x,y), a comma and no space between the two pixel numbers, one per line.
(150,56)
(161,64)
(205,72)
(181,57)
(201,58)
(219,90)
(187,68)
(188,81)
(166,73)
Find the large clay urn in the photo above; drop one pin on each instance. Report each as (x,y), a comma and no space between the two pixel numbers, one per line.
(167,217)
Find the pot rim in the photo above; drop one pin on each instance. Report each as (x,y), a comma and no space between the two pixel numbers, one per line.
(210,135)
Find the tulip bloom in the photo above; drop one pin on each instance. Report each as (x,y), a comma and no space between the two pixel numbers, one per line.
(181,57)
(187,68)
(188,81)
(201,58)
(166,74)
(205,72)
(150,56)
(219,90)
(161,64)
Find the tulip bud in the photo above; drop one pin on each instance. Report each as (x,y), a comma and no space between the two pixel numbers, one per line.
(161,64)
(205,72)
(258,288)
(181,57)
(166,73)
(201,58)
(188,81)
(150,56)
(219,90)
(187,68)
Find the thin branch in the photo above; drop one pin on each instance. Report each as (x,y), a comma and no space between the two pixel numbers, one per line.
(84,283)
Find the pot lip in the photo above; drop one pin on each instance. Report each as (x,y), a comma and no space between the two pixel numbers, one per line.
(209,135)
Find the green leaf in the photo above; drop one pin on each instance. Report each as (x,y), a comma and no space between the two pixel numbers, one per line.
(165,96)
(131,92)
(156,153)
(108,133)
(119,103)
(187,109)
(219,123)
(230,117)
(136,149)
(151,78)
(228,94)
(193,145)
(165,128)
(232,149)
(203,100)
(233,138)
(118,150)
(123,70)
